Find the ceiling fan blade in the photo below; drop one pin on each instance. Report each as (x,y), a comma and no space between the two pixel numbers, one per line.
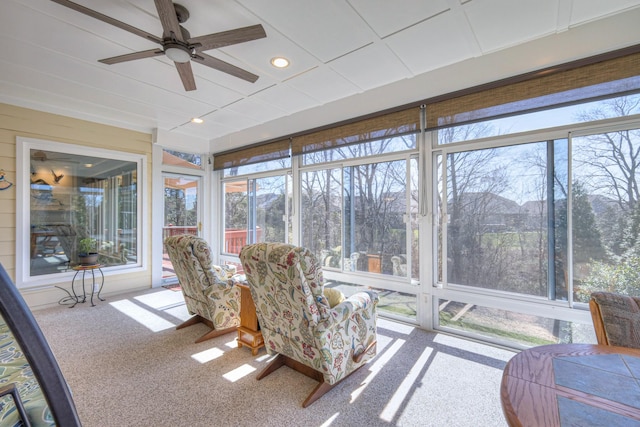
(227,38)
(108,20)
(168,19)
(186,75)
(225,67)
(131,56)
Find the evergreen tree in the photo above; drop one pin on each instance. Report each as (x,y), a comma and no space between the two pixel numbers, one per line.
(587,242)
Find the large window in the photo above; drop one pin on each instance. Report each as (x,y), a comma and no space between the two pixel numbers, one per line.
(550,220)
(525,194)
(605,212)
(359,215)
(321,207)
(497,202)
(357,218)
(73,198)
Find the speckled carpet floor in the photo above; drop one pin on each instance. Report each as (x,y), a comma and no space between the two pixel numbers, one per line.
(127,365)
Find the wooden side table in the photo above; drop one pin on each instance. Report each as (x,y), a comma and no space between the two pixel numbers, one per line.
(249,334)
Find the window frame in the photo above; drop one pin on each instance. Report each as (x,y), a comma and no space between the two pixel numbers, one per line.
(249,178)
(571,311)
(390,282)
(23,208)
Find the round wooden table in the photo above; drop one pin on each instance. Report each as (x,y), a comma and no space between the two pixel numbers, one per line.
(572,385)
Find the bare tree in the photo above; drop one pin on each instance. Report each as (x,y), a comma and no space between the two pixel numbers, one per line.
(372,195)
(473,187)
(612,159)
(320,209)
(607,164)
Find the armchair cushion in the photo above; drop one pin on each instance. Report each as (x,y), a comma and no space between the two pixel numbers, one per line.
(334,296)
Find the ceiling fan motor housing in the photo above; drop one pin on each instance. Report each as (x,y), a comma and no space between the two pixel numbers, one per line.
(181,13)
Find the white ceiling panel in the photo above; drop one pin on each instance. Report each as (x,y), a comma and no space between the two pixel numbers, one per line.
(209,127)
(36,98)
(257,110)
(286,98)
(86,94)
(119,10)
(342,53)
(42,30)
(211,16)
(434,43)
(260,52)
(388,17)
(230,119)
(201,131)
(357,66)
(587,10)
(326,29)
(498,24)
(324,84)
(84,79)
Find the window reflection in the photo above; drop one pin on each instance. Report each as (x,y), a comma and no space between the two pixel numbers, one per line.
(75,197)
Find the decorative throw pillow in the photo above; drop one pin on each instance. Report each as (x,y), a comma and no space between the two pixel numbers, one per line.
(334,296)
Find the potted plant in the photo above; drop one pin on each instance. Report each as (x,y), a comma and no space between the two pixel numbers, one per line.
(87,251)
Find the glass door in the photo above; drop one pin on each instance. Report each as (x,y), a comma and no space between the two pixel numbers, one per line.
(181,213)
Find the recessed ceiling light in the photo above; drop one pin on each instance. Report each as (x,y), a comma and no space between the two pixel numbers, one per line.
(280,62)
(197,120)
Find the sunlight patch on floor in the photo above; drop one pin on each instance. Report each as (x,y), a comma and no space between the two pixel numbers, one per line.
(398,327)
(264,357)
(394,404)
(239,373)
(474,347)
(162,299)
(330,420)
(377,366)
(208,355)
(167,301)
(232,344)
(179,312)
(146,318)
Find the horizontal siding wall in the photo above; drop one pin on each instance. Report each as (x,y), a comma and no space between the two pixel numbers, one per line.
(22,122)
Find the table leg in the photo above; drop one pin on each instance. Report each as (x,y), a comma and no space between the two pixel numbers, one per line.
(101,285)
(84,290)
(73,289)
(93,286)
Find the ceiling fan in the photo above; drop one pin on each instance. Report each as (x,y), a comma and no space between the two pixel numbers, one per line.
(177,44)
(43,157)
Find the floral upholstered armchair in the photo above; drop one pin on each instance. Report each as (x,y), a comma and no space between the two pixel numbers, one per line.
(297,322)
(209,293)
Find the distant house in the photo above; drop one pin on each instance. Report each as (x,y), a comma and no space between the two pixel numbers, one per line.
(499,214)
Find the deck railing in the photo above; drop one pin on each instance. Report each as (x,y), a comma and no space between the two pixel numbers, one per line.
(175,230)
(234,239)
